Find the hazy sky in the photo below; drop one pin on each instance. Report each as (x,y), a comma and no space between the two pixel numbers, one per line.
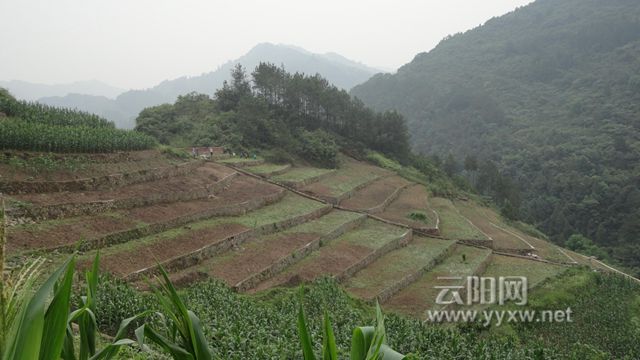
(138,43)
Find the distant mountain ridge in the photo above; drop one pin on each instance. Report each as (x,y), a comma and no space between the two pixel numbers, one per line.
(33,91)
(123,110)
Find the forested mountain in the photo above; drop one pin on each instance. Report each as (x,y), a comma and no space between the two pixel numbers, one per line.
(32,91)
(549,93)
(123,110)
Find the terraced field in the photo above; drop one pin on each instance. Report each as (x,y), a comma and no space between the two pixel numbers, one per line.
(344,182)
(421,295)
(367,227)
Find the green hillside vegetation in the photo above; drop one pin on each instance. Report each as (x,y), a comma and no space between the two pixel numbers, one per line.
(294,113)
(544,100)
(36,127)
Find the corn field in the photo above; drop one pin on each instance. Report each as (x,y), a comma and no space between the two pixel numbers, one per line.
(18,134)
(44,114)
(38,127)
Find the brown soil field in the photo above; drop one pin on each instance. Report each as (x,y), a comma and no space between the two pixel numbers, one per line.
(141,256)
(374,194)
(331,261)
(412,198)
(55,233)
(253,256)
(204,176)
(501,239)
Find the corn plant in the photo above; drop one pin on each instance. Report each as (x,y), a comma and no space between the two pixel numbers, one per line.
(367,343)
(183,338)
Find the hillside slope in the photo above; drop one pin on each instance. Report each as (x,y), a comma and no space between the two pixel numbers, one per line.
(551,93)
(122,110)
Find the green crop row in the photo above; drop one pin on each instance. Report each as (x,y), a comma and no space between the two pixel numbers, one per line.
(18,134)
(44,114)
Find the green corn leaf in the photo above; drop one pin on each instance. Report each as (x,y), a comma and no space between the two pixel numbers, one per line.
(87,322)
(112,349)
(387,353)
(146,332)
(68,350)
(200,342)
(25,343)
(329,348)
(361,342)
(55,323)
(303,331)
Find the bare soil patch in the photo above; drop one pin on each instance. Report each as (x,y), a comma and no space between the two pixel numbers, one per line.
(411,199)
(140,257)
(251,258)
(329,261)
(202,177)
(69,231)
(375,193)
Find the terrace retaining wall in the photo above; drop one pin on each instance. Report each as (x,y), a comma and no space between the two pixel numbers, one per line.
(389,291)
(99,183)
(135,233)
(299,254)
(187,260)
(64,210)
(400,241)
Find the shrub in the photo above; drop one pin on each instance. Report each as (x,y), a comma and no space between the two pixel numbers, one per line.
(319,147)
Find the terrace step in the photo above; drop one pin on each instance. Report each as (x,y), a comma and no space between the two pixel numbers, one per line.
(344,256)
(261,258)
(90,232)
(503,239)
(452,224)
(398,269)
(299,177)
(180,248)
(105,182)
(269,170)
(377,195)
(241,162)
(202,183)
(412,199)
(421,295)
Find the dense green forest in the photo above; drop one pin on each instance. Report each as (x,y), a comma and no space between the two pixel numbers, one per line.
(549,97)
(273,109)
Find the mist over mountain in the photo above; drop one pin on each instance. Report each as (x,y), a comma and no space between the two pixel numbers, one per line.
(550,93)
(337,69)
(34,91)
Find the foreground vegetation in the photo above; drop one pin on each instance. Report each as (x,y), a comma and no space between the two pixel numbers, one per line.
(36,127)
(264,327)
